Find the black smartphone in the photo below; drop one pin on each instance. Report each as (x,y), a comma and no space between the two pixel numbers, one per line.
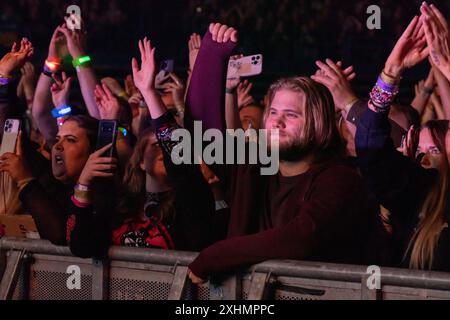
(107,133)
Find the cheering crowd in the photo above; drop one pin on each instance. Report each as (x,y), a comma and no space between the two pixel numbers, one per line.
(361,180)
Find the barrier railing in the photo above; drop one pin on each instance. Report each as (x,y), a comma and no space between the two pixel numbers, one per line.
(36,269)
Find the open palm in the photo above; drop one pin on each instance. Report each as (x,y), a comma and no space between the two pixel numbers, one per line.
(15,59)
(410,48)
(144,78)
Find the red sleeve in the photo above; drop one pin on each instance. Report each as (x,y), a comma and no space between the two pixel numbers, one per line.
(325,219)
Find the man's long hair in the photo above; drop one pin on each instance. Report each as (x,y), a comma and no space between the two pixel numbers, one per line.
(319,135)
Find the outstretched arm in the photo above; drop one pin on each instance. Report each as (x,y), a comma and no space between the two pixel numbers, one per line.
(11,62)
(85,72)
(42,102)
(206,93)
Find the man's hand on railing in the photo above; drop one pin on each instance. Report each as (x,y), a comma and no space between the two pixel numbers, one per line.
(194,278)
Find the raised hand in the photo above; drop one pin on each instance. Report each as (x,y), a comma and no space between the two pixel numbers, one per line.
(332,76)
(60,89)
(243,94)
(144,77)
(76,41)
(108,105)
(410,49)
(222,33)
(56,43)
(194,43)
(437,37)
(98,167)
(15,59)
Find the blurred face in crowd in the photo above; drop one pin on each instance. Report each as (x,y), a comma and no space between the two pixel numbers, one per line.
(251,114)
(432,156)
(70,153)
(152,162)
(287,114)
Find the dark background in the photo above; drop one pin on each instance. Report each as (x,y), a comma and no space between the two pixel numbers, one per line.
(291,34)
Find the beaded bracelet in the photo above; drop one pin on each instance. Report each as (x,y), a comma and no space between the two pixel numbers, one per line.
(383,94)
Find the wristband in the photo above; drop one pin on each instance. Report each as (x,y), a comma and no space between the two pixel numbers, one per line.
(81,196)
(389,78)
(52,64)
(81,187)
(80,61)
(4,80)
(123,131)
(62,111)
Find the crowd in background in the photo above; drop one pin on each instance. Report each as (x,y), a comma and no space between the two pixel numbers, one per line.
(363,177)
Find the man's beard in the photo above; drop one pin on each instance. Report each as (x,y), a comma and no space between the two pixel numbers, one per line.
(294,151)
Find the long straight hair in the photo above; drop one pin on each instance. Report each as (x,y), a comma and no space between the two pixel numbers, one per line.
(320,133)
(424,242)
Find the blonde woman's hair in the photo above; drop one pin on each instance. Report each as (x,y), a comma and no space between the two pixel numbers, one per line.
(425,240)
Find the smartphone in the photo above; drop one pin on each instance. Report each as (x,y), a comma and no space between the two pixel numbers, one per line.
(167,65)
(107,133)
(245,66)
(10,134)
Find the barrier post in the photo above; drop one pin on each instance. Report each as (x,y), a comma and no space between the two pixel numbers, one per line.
(179,283)
(258,286)
(10,276)
(100,279)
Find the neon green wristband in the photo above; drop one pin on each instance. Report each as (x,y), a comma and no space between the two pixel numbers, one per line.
(80,61)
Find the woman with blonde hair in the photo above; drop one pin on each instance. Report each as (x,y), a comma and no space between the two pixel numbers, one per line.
(416,192)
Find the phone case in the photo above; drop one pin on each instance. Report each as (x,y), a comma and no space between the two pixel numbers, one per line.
(107,133)
(10,134)
(245,66)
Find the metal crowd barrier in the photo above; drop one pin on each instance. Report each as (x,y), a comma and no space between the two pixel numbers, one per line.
(38,270)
